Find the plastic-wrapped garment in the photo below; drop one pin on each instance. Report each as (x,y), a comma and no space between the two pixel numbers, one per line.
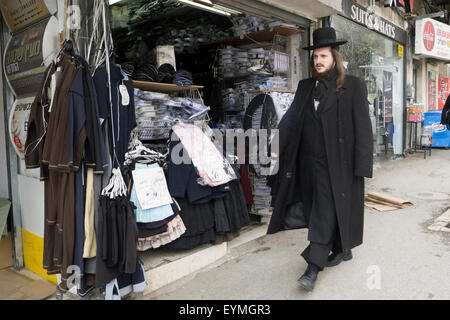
(152,214)
(213,169)
(182,179)
(282,102)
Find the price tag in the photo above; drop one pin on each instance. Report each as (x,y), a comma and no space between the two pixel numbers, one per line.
(124,94)
(56,77)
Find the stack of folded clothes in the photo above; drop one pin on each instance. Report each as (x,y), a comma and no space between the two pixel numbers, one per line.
(157,112)
(158,225)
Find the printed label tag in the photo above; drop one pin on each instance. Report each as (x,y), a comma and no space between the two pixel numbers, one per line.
(53,83)
(124,94)
(151,187)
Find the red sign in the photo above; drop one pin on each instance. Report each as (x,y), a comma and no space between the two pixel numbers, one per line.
(411,4)
(428,36)
(444,91)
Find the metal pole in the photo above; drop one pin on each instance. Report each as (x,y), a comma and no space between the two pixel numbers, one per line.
(12,163)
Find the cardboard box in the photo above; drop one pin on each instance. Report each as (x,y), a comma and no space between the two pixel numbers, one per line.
(6,254)
(165,54)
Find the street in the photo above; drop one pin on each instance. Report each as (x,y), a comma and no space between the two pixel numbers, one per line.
(399,259)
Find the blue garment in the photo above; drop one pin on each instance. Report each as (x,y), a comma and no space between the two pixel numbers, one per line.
(152,214)
(77,121)
(123,117)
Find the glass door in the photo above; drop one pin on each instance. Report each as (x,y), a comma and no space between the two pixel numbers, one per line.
(379,79)
(380,62)
(432,82)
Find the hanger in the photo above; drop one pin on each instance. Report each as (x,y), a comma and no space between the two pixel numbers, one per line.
(144,154)
(116,186)
(66,47)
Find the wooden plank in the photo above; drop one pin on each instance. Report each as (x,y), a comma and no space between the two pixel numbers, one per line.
(163,87)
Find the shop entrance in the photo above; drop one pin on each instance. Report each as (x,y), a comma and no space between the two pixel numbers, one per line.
(379,82)
(432,87)
(230,58)
(379,61)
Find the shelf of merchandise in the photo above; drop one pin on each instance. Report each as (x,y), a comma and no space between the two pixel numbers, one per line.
(260,36)
(163,87)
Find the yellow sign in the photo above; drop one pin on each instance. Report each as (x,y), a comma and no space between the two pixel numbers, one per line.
(400,50)
(19,14)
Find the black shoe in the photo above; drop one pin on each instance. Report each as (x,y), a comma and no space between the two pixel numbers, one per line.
(308,279)
(335,258)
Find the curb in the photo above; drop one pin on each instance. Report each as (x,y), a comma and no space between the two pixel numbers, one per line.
(163,269)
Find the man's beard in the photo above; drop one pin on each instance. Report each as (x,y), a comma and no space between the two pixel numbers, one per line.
(321,76)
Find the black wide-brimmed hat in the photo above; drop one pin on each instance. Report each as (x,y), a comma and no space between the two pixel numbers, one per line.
(325,37)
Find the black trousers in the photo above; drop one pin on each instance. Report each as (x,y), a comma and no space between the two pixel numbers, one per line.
(317,253)
(323,227)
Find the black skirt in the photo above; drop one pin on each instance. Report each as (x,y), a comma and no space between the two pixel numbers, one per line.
(199,222)
(231,212)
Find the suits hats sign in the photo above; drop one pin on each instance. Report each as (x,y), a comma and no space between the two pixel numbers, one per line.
(361,15)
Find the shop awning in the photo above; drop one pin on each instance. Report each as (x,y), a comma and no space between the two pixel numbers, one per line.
(300,12)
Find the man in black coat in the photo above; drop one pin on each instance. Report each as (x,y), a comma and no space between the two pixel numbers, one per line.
(445,118)
(325,151)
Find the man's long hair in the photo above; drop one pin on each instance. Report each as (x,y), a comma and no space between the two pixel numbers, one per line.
(337,57)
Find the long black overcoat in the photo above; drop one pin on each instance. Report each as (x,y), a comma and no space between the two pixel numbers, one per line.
(348,140)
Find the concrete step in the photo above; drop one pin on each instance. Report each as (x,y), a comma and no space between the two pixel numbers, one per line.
(163,266)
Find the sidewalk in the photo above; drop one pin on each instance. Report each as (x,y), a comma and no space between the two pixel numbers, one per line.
(399,259)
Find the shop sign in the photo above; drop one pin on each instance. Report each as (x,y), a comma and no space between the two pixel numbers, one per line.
(432,39)
(19,14)
(444,91)
(27,55)
(18,124)
(372,21)
(400,50)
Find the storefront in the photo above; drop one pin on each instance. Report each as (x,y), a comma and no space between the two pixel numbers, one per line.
(213,70)
(432,52)
(375,52)
(232,51)
(29,41)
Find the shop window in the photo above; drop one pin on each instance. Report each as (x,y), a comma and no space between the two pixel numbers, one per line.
(378,60)
(432,90)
